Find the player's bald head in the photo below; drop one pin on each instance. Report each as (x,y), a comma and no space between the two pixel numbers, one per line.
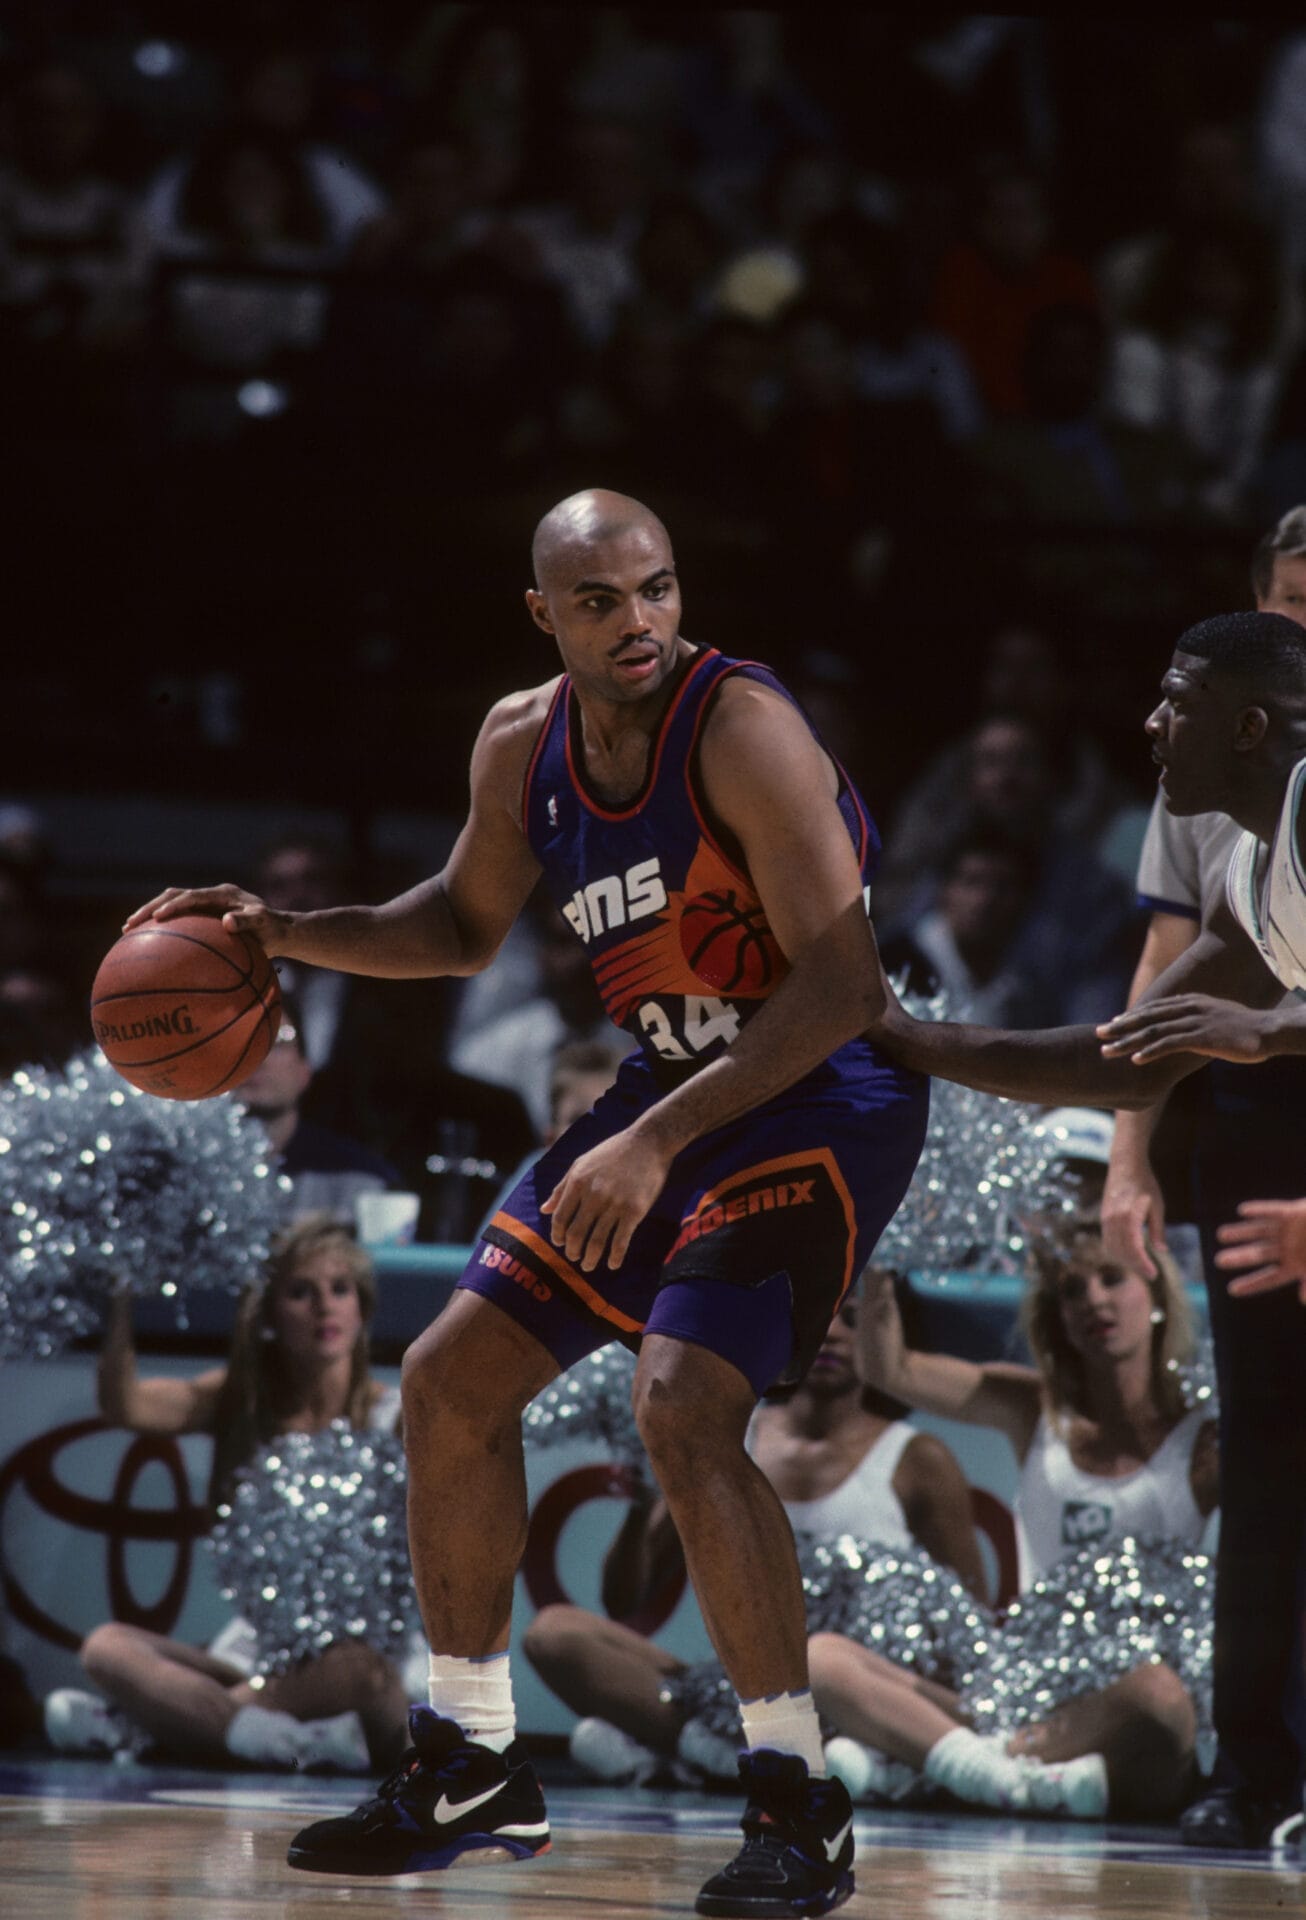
(579,524)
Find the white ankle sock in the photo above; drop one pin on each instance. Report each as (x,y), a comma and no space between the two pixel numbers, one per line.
(787,1723)
(263,1734)
(477,1694)
(978,1769)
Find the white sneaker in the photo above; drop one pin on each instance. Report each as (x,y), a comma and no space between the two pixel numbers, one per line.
(77,1722)
(708,1752)
(337,1745)
(1077,1787)
(606,1753)
(868,1774)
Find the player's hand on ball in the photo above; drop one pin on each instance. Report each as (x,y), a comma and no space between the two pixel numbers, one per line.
(602,1198)
(240,912)
(1269,1237)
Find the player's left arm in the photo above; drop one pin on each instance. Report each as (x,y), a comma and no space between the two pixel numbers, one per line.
(773,788)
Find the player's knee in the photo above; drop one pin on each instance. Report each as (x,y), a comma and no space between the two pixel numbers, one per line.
(686,1420)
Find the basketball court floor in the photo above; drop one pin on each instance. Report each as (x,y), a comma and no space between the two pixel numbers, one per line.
(82,1840)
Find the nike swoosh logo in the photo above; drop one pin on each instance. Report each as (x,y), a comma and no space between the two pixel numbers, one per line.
(832,1846)
(446,1810)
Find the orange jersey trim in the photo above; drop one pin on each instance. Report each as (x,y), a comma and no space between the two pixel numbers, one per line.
(655,765)
(558,1266)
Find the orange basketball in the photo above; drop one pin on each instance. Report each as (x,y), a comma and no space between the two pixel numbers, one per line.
(728,943)
(183,1008)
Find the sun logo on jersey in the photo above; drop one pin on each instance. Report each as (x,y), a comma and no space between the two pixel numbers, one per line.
(712,933)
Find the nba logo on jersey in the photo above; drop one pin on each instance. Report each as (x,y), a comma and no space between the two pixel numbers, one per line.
(1083,1521)
(553,809)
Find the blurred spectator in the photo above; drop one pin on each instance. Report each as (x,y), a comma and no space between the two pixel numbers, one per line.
(1212,182)
(1079,932)
(327,1169)
(480,73)
(1022,674)
(858,274)
(962,947)
(1199,349)
(365,1041)
(69,277)
(275,102)
(677,259)
(584,240)
(1068,459)
(994,284)
(430,219)
(848,469)
(518,1049)
(246,203)
(467,357)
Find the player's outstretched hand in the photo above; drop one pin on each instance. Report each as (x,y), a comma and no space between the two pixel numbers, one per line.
(1269,1236)
(1184,1023)
(240,912)
(602,1198)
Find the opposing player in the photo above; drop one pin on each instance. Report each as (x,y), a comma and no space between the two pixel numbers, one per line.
(1230,737)
(713,1207)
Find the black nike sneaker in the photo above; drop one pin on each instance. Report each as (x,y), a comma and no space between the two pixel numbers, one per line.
(797,1856)
(446,1798)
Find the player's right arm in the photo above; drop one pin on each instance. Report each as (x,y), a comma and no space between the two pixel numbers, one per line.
(1133,1210)
(161,1405)
(453,923)
(994,1393)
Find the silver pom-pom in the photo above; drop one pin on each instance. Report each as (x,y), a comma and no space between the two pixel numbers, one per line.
(590,1401)
(313,1545)
(897,1601)
(100,1183)
(985,1163)
(1090,1620)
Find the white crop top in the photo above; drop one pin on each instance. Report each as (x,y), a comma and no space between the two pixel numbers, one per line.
(1059,1508)
(864,1504)
(1266,890)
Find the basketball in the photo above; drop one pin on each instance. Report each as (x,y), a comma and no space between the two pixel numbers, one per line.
(728,942)
(184,1009)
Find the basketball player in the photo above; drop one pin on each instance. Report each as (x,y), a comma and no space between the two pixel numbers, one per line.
(712,1208)
(1230,737)
(1247,1140)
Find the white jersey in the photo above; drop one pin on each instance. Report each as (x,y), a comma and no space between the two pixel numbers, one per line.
(1060,1508)
(864,1504)
(1266,891)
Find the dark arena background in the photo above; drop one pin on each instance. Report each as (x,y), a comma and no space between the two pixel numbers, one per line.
(962,356)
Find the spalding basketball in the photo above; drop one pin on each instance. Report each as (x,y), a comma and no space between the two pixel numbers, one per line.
(728,943)
(184,1009)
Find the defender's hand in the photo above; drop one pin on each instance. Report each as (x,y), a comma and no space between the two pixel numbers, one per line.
(1184,1023)
(1269,1236)
(240,912)
(602,1198)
